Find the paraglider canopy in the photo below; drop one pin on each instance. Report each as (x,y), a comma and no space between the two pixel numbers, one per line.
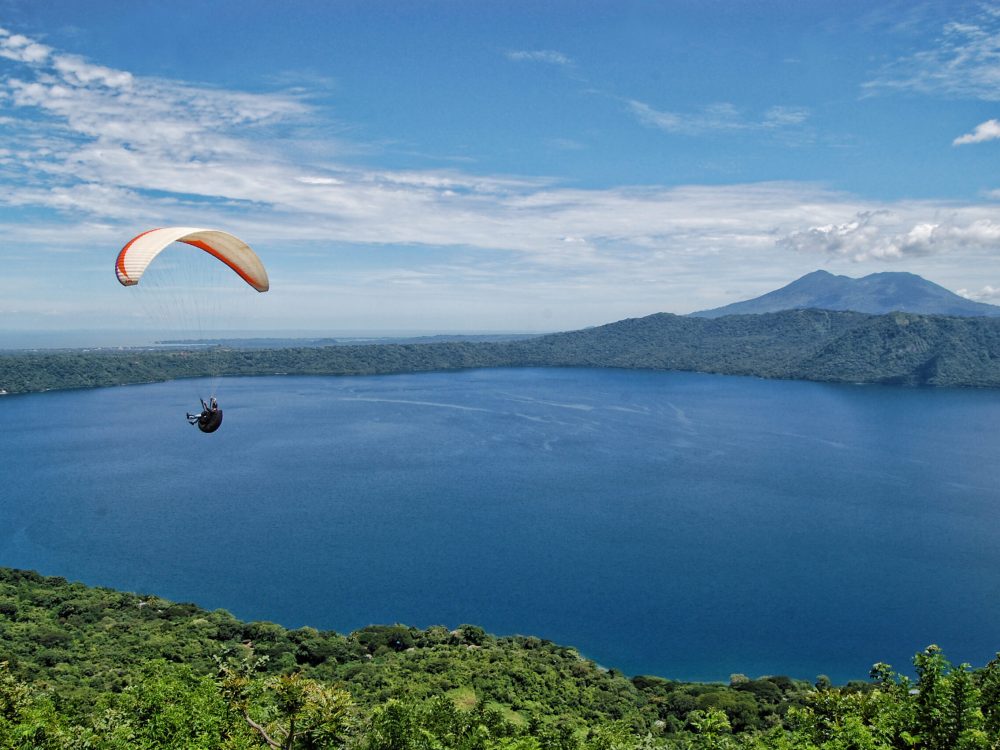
(140,251)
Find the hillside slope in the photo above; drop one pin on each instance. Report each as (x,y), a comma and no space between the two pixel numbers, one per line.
(85,642)
(95,669)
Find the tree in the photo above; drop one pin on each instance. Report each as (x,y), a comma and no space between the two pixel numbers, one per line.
(948,716)
(988,681)
(28,720)
(391,727)
(285,711)
(712,728)
(966,722)
(167,706)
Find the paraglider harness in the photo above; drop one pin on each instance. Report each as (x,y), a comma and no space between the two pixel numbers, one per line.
(210,417)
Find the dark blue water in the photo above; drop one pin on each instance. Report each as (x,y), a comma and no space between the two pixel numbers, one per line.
(677,524)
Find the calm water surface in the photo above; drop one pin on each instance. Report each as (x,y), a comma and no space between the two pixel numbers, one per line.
(677,524)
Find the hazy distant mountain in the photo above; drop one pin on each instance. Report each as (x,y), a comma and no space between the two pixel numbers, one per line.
(878,293)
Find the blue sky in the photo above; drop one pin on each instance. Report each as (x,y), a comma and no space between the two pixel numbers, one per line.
(446,166)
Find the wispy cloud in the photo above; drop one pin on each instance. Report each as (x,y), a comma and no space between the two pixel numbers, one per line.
(566,144)
(985,131)
(91,154)
(781,116)
(106,148)
(964,62)
(716,118)
(551,57)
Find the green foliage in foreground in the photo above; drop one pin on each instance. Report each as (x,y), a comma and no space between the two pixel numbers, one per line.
(92,668)
(899,348)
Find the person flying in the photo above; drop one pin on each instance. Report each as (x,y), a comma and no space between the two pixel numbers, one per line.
(210,417)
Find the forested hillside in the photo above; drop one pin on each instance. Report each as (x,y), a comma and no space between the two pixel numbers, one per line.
(95,668)
(899,348)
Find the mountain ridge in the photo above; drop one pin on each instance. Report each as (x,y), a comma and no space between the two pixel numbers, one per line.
(876,294)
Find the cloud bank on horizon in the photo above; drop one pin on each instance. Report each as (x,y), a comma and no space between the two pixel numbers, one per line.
(356,238)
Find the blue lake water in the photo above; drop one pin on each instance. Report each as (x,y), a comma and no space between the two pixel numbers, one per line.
(677,524)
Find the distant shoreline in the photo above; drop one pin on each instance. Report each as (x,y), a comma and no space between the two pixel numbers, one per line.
(814,345)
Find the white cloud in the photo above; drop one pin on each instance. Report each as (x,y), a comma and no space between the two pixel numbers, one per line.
(985,131)
(542,55)
(716,117)
(780,116)
(889,235)
(965,62)
(21,49)
(78,71)
(87,199)
(306,180)
(987,293)
(720,117)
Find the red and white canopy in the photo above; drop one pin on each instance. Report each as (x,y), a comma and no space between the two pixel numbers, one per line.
(234,252)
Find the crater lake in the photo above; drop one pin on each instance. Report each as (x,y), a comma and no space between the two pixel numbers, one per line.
(684,525)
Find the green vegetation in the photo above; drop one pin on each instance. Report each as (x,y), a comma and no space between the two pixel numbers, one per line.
(899,348)
(94,668)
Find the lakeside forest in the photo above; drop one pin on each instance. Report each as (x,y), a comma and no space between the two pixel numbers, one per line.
(97,668)
(820,345)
